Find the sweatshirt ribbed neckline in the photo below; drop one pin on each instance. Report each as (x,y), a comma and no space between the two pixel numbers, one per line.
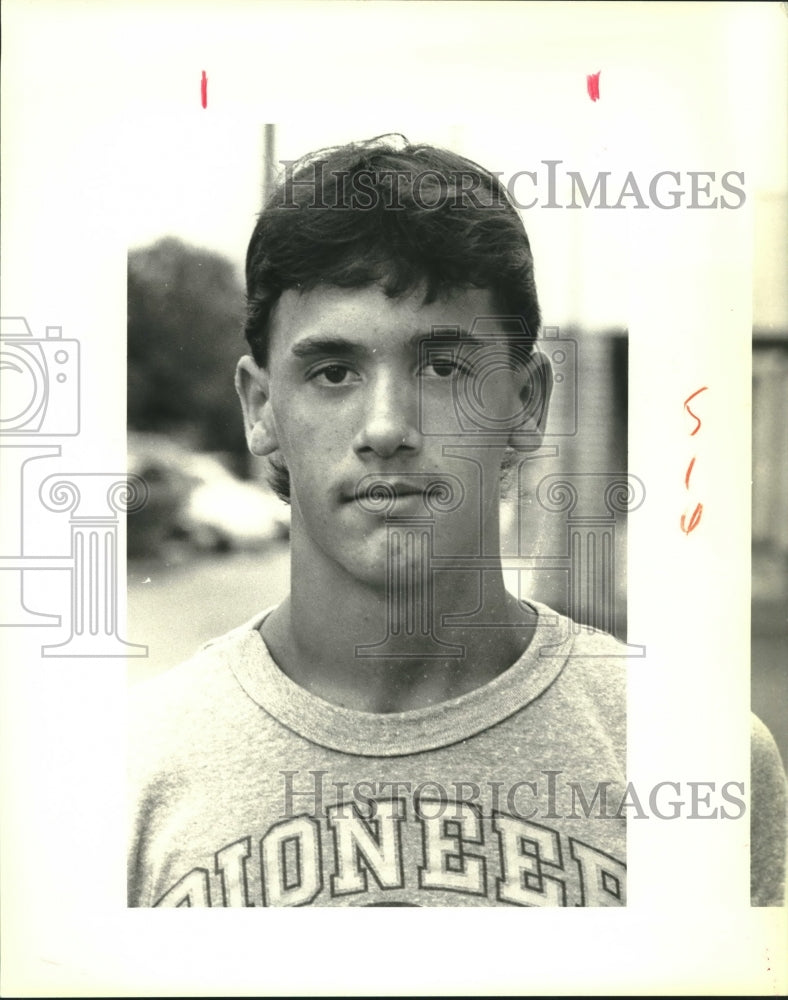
(400,733)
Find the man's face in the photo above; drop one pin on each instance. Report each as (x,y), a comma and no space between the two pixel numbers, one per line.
(358,391)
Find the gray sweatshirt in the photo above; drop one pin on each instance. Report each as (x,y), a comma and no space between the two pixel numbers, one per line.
(249,791)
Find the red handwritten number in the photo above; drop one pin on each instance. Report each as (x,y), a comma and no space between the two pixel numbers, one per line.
(695,516)
(204,90)
(687,401)
(694,520)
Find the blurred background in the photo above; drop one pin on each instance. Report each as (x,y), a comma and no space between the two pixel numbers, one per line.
(213,540)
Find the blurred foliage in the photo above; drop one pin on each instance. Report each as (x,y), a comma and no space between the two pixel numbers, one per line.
(185,314)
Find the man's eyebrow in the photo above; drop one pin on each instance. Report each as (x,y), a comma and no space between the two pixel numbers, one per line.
(310,347)
(444,335)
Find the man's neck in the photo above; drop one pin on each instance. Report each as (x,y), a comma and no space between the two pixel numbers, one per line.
(388,646)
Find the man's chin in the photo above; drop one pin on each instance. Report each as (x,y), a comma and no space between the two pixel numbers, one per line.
(372,569)
(374,565)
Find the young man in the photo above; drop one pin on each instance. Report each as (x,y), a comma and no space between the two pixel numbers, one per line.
(401,730)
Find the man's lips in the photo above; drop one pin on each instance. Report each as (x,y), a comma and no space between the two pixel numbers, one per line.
(377,493)
(383,490)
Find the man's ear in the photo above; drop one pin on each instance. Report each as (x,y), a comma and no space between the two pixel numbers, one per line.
(251,384)
(535,390)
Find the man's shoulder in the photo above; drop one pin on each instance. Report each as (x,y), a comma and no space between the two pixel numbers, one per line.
(593,642)
(594,652)
(766,765)
(206,661)
(592,681)
(197,694)
(210,657)
(768,818)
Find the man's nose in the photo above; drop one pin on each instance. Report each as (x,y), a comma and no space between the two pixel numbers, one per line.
(390,420)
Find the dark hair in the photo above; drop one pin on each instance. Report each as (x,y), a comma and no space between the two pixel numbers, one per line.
(390,212)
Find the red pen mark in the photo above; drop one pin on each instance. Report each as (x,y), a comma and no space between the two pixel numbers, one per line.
(592,84)
(204,90)
(694,520)
(686,407)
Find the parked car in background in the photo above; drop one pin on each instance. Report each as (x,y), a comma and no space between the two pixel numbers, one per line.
(196,503)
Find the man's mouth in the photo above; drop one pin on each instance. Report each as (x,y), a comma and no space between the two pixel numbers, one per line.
(381,490)
(379,493)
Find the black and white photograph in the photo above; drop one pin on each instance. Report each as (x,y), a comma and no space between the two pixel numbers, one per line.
(393,501)
(404,705)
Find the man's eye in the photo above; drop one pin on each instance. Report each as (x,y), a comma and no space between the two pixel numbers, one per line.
(444,367)
(334,374)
